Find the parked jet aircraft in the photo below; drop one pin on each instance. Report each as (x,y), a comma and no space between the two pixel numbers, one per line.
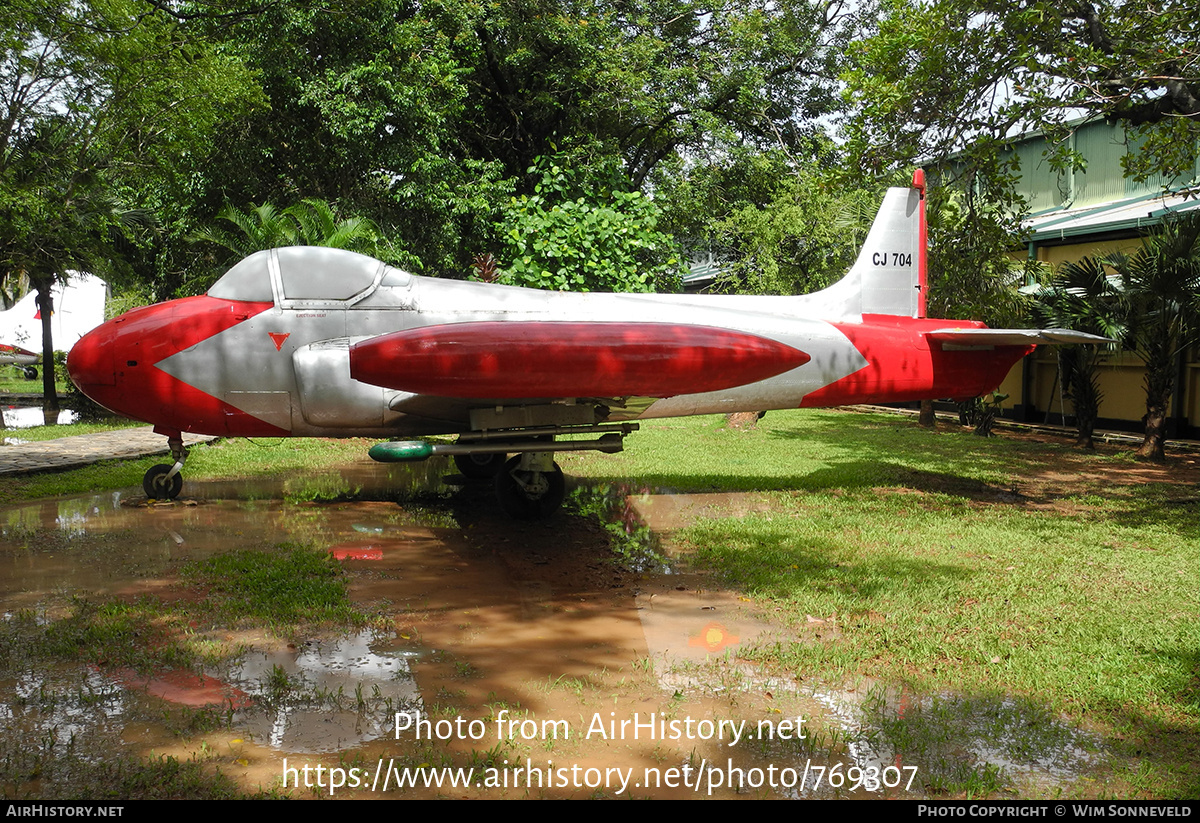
(23,359)
(318,342)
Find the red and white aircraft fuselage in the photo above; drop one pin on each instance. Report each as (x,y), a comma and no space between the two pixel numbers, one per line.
(318,342)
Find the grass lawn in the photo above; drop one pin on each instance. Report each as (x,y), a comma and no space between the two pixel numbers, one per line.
(13,382)
(39,433)
(975,572)
(261,457)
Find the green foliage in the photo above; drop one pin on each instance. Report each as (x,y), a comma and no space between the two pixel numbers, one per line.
(943,76)
(1080,296)
(310,222)
(971,272)
(1149,301)
(648,80)
(365,103)
(582,229)
(427,118)
(1159,294)
(804,239)
(100,101)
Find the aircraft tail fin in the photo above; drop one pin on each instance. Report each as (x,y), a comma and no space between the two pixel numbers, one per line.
(889,276)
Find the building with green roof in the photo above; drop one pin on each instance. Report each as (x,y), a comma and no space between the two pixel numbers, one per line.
(1078,212)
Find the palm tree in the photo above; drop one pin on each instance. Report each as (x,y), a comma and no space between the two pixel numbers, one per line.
(310,222)
(1159,294)
(1083,296)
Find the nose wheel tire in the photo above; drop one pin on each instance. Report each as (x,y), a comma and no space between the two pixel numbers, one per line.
(479,466)
(158,486)
(529,495)
(30,373)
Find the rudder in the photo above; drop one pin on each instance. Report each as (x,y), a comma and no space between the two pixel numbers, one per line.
(888,277)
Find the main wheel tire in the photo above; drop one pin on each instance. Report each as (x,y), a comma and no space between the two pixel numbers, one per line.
(158,486)
(479,466)
(526,495)
(30,373)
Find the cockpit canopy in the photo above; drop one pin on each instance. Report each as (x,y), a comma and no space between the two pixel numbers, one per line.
(303,275)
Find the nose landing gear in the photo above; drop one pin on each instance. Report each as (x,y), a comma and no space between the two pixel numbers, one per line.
(165,481)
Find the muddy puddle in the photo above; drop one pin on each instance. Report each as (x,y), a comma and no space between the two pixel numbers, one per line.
(503,659)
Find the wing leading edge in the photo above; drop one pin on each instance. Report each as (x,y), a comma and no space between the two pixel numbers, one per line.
(1014,337)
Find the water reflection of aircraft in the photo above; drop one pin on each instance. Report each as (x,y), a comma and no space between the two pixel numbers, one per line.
(78,308)
(316,342)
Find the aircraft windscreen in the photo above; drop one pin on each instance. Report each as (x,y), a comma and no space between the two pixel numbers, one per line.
(310,273)
(249,280)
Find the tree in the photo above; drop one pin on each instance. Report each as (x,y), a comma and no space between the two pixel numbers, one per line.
(586,229)
(1081,295)
(310,222)
(95,96)
(428,117)
(965,75)
(55,217)
(1159,293)
(1149,301)
(804,239)
(646,80)
(365,100)
(971,272)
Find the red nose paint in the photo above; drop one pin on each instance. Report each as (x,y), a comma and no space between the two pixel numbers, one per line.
(115,365)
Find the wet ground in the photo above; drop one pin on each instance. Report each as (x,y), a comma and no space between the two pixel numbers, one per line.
(24,417)
(530,653)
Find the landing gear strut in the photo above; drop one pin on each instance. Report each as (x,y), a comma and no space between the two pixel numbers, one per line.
(531,486)
(164,481)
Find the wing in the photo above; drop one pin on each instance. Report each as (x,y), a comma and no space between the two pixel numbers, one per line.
(1014,337)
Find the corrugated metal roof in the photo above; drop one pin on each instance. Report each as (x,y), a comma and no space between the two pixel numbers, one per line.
(1129,214)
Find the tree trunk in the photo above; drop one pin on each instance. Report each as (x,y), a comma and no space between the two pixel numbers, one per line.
(927,418)
(1159,383)
(1156,432)
(45,304)
(743,420)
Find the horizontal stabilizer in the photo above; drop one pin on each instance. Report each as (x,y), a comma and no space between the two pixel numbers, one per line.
(1014,337)
(523,360)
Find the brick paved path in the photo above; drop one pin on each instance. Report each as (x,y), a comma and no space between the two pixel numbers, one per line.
(83,449)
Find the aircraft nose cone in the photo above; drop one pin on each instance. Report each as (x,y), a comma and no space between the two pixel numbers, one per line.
(91,364)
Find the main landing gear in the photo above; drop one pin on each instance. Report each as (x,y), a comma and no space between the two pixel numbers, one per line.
(529,485)
(164,481)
